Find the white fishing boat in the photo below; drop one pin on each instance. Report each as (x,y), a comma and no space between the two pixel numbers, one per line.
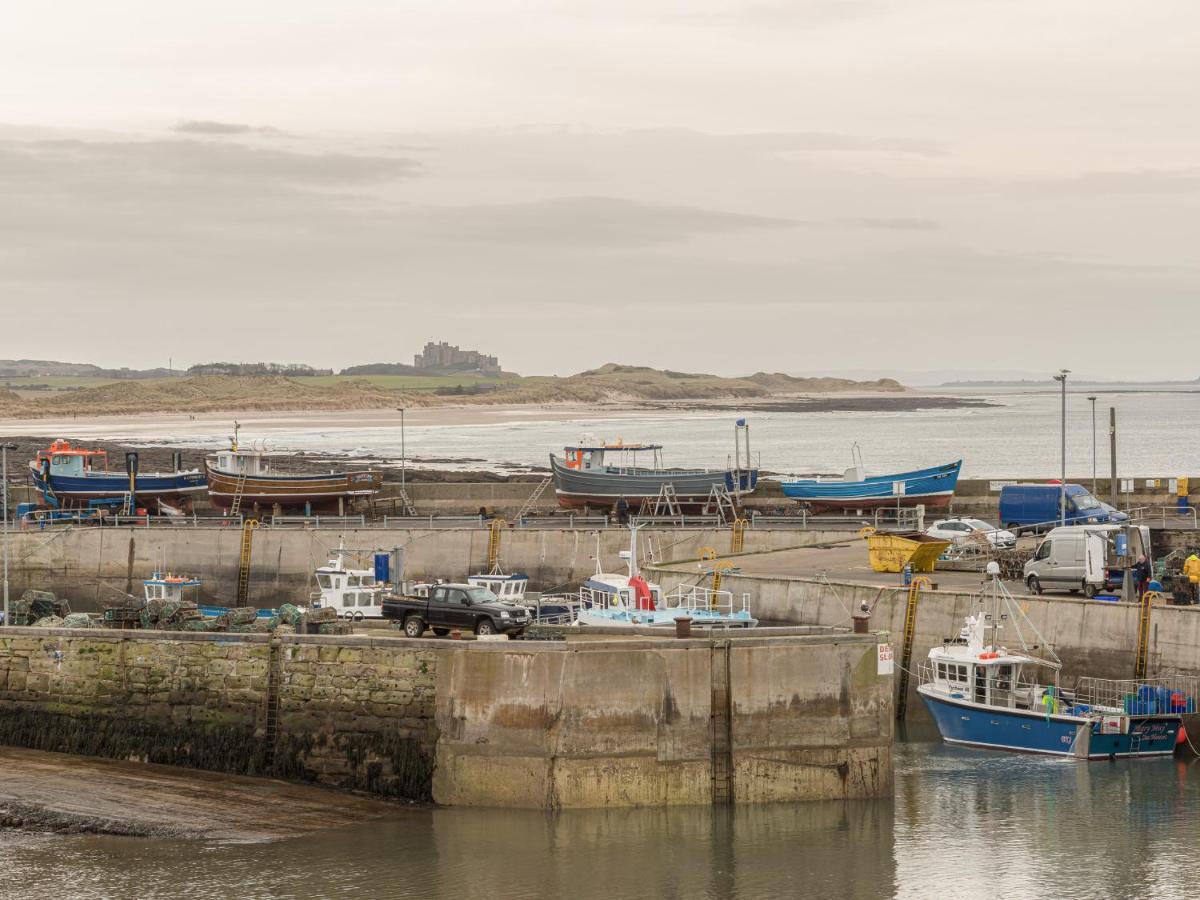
(355,593)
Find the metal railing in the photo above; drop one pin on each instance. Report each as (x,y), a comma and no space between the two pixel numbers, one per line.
(1145,515)
(317,521)
(906,519)
(1112,694)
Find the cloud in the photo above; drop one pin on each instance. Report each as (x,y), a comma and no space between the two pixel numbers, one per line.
(206,127)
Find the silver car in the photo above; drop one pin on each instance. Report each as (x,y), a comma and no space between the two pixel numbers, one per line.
(961,529)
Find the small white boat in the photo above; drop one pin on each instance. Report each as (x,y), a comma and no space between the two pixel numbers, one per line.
(354,593)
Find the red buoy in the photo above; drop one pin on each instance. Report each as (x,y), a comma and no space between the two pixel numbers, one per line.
(1181,735)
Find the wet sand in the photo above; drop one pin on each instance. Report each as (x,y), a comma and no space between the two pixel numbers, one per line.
(59,792)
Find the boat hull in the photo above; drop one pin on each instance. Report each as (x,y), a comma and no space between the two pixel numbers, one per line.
(78,489)
(292,491)
(604,486)
(1024,731)
(933,488)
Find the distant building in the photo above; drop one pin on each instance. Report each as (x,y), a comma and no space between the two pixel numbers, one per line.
(225,368)
(446,356)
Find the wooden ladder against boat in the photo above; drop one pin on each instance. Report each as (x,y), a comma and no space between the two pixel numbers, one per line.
(238,490)
(910,629)
(722,725)
(243,585)
(534,497)
(409,509)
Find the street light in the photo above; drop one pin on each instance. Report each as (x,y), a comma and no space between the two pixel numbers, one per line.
(4,448)
(1062,485)
(1093,399)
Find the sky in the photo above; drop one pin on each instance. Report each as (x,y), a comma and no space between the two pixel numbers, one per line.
(804,186)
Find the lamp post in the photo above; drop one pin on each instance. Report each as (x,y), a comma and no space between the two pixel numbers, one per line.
(4,448)
(1093,399)
(1061,377)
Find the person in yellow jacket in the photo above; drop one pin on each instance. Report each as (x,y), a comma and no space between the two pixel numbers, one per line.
(1191,568)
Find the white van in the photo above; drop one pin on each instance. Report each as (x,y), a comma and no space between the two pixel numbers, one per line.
(1077,557)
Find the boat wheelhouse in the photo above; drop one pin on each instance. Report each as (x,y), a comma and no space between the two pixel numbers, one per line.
(982,695)
(241,478)
(355,593)
(68,476)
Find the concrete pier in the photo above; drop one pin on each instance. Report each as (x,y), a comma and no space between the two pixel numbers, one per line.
(636,721)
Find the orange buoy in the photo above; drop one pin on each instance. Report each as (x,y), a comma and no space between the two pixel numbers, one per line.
(1181,735)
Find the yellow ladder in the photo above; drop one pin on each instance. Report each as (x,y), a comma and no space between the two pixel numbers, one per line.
(737,535)
(243,587)
(720,567)
(910,629)
(495,529)
(1143,639)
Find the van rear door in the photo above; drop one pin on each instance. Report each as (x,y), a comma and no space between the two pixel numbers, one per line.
(1096,559)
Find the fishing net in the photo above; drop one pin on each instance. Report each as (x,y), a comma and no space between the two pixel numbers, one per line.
(77,620)
(289,614)
(335,628)
(49,622)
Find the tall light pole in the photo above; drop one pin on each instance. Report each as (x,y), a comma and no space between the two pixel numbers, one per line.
(1061,377)
(1093,399)
(4,448)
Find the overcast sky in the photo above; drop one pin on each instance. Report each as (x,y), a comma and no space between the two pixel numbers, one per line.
(791,185)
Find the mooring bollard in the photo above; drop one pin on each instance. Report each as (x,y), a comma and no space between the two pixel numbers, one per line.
(683,626)
(862,620)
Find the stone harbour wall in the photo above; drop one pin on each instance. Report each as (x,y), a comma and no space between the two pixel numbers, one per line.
(767,715)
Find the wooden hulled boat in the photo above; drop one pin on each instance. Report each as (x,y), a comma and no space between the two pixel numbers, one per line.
(242,479)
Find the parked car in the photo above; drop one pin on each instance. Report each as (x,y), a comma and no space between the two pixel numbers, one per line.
(961,529)
(462,606)
(1078,557)
(1026,505)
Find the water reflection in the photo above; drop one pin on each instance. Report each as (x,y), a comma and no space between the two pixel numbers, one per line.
(963,823)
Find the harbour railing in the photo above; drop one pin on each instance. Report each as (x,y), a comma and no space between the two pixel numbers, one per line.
(1112,693)
(903,519)
(1166,516)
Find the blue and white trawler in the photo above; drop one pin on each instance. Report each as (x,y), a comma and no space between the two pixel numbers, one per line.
(982,695)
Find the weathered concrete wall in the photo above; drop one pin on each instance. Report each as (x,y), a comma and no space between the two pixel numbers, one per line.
(91,564)
(628,722)
(1091,637)
(638,723)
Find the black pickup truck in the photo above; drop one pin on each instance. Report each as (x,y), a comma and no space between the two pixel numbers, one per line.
(462,606)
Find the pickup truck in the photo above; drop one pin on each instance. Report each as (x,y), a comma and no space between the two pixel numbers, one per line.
(461,606)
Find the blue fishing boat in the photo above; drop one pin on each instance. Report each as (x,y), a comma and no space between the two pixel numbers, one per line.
(982,695)
(933,487)
(69,476)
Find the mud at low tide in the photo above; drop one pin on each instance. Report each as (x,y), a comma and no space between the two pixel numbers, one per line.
(59,792)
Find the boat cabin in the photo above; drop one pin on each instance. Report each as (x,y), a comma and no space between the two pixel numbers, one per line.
(168,587)
(964,669)
(67,460)
(509,588)
(591,456)
(354,593)
(241,462)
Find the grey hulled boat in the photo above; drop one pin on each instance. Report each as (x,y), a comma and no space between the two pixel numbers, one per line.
(584,476)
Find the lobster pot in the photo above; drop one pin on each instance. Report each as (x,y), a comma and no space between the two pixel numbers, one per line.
(890,552)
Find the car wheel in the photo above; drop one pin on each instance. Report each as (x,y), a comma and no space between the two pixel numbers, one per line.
(485,626)
(414,627)
(1034,584)
(441,632)
(1089,591)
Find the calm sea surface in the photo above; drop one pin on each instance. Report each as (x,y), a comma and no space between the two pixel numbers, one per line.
(963,824)
(1158,434)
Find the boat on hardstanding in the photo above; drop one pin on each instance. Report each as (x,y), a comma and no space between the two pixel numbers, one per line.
(355,593)
(981,694)
(597,474)
(242,478)
(69,477)
(932,488)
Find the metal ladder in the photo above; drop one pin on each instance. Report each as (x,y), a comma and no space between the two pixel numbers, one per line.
(1143,637)
(238,491)
(910,628)
(495,529)
(737,535)
(534,497)
(721,504)
(243,586)
(721,718)
(271,729)
(409,509)
(666,503)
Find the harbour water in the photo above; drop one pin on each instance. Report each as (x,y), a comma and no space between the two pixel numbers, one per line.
(963,823)
(1018,436)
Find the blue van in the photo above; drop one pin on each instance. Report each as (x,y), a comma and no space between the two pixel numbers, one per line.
(1037,504)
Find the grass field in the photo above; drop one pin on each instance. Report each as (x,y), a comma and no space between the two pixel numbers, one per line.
(412,382)
(56,382)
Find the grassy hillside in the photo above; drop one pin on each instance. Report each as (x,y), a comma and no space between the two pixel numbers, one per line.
(227,393)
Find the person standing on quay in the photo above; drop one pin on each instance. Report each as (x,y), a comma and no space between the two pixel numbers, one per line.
(1191,568)
(622,510)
